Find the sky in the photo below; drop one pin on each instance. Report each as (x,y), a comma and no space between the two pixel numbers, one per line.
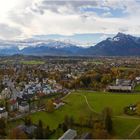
(77,20)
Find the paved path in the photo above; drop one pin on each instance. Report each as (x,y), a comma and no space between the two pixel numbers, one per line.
(134,131)
(66,95)
(89,106)
(93,110)
(87,102)
(123,117)
(127,117)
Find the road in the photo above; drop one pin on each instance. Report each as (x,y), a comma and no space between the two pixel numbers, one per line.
(134,131)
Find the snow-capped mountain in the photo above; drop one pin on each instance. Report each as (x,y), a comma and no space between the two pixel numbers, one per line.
(120,45)
(51,48)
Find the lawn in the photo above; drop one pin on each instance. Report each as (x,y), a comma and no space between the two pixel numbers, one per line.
(137,88)
(32,62)
(97,62)
(123,127)
(116,101)
(77,106)
(127,68)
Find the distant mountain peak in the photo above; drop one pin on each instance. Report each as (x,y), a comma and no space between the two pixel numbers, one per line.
(119,34)
(120,45)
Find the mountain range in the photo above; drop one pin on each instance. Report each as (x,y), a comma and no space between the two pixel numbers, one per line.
(119,45)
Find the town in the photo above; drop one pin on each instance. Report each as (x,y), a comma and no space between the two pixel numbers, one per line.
(34,89)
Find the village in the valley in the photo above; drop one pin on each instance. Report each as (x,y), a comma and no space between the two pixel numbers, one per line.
(35,91)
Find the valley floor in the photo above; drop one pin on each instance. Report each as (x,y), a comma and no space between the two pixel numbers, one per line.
(124,126)
(85,103)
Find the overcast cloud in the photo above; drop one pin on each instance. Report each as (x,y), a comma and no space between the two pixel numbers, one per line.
(25,18)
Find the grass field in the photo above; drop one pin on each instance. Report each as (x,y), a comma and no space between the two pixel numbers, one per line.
(77,106)
(33,62)
(96,62)
(115,101)
(123,127)
(137,88)
(72,108)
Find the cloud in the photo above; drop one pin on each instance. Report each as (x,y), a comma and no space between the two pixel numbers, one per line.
(25,18)
(60,6)
(9,32)
(107,14)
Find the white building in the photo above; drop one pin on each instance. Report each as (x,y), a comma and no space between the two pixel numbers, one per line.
(3,113)
(68,135)
(23,107)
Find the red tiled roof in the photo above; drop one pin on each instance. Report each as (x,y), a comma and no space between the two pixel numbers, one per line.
(12,101)
(40,94)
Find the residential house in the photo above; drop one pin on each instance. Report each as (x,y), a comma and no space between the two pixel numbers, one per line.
(29,130)
(3,113)
(68,135)
(13,105)
(122,85)
(24,107)
(137,80)
(6,93)
(58,103)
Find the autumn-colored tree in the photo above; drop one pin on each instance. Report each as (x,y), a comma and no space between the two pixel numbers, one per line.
(106,79)
(50,106)
(47,132)
(107,118)
(82,119)
(39,131)
(17,133)
(2,127)
(28,121)
(138,109)
(99,131)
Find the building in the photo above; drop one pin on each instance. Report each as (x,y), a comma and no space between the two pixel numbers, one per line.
(137,80)
(29,130)
(13,104)
(23,107)
(58,104)
(3,113)
(121,85)
(69,135)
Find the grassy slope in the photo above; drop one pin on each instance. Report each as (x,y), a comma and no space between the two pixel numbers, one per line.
(77,106)
(117,102)
(33,62)
(137,88)
(123,127)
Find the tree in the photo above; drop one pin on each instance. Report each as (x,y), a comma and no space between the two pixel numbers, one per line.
(64,127)
(27,121)
(138,109)
(17,133)
(90,120)
(81,119)
(50,106)
(39,130)
(29,102)
(71,121)
(108,123)
(47,132)
(66,120)
(2,127)
(107,118)
(106,78)
(99,132)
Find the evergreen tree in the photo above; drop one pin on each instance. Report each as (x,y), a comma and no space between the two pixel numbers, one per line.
(39,130)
